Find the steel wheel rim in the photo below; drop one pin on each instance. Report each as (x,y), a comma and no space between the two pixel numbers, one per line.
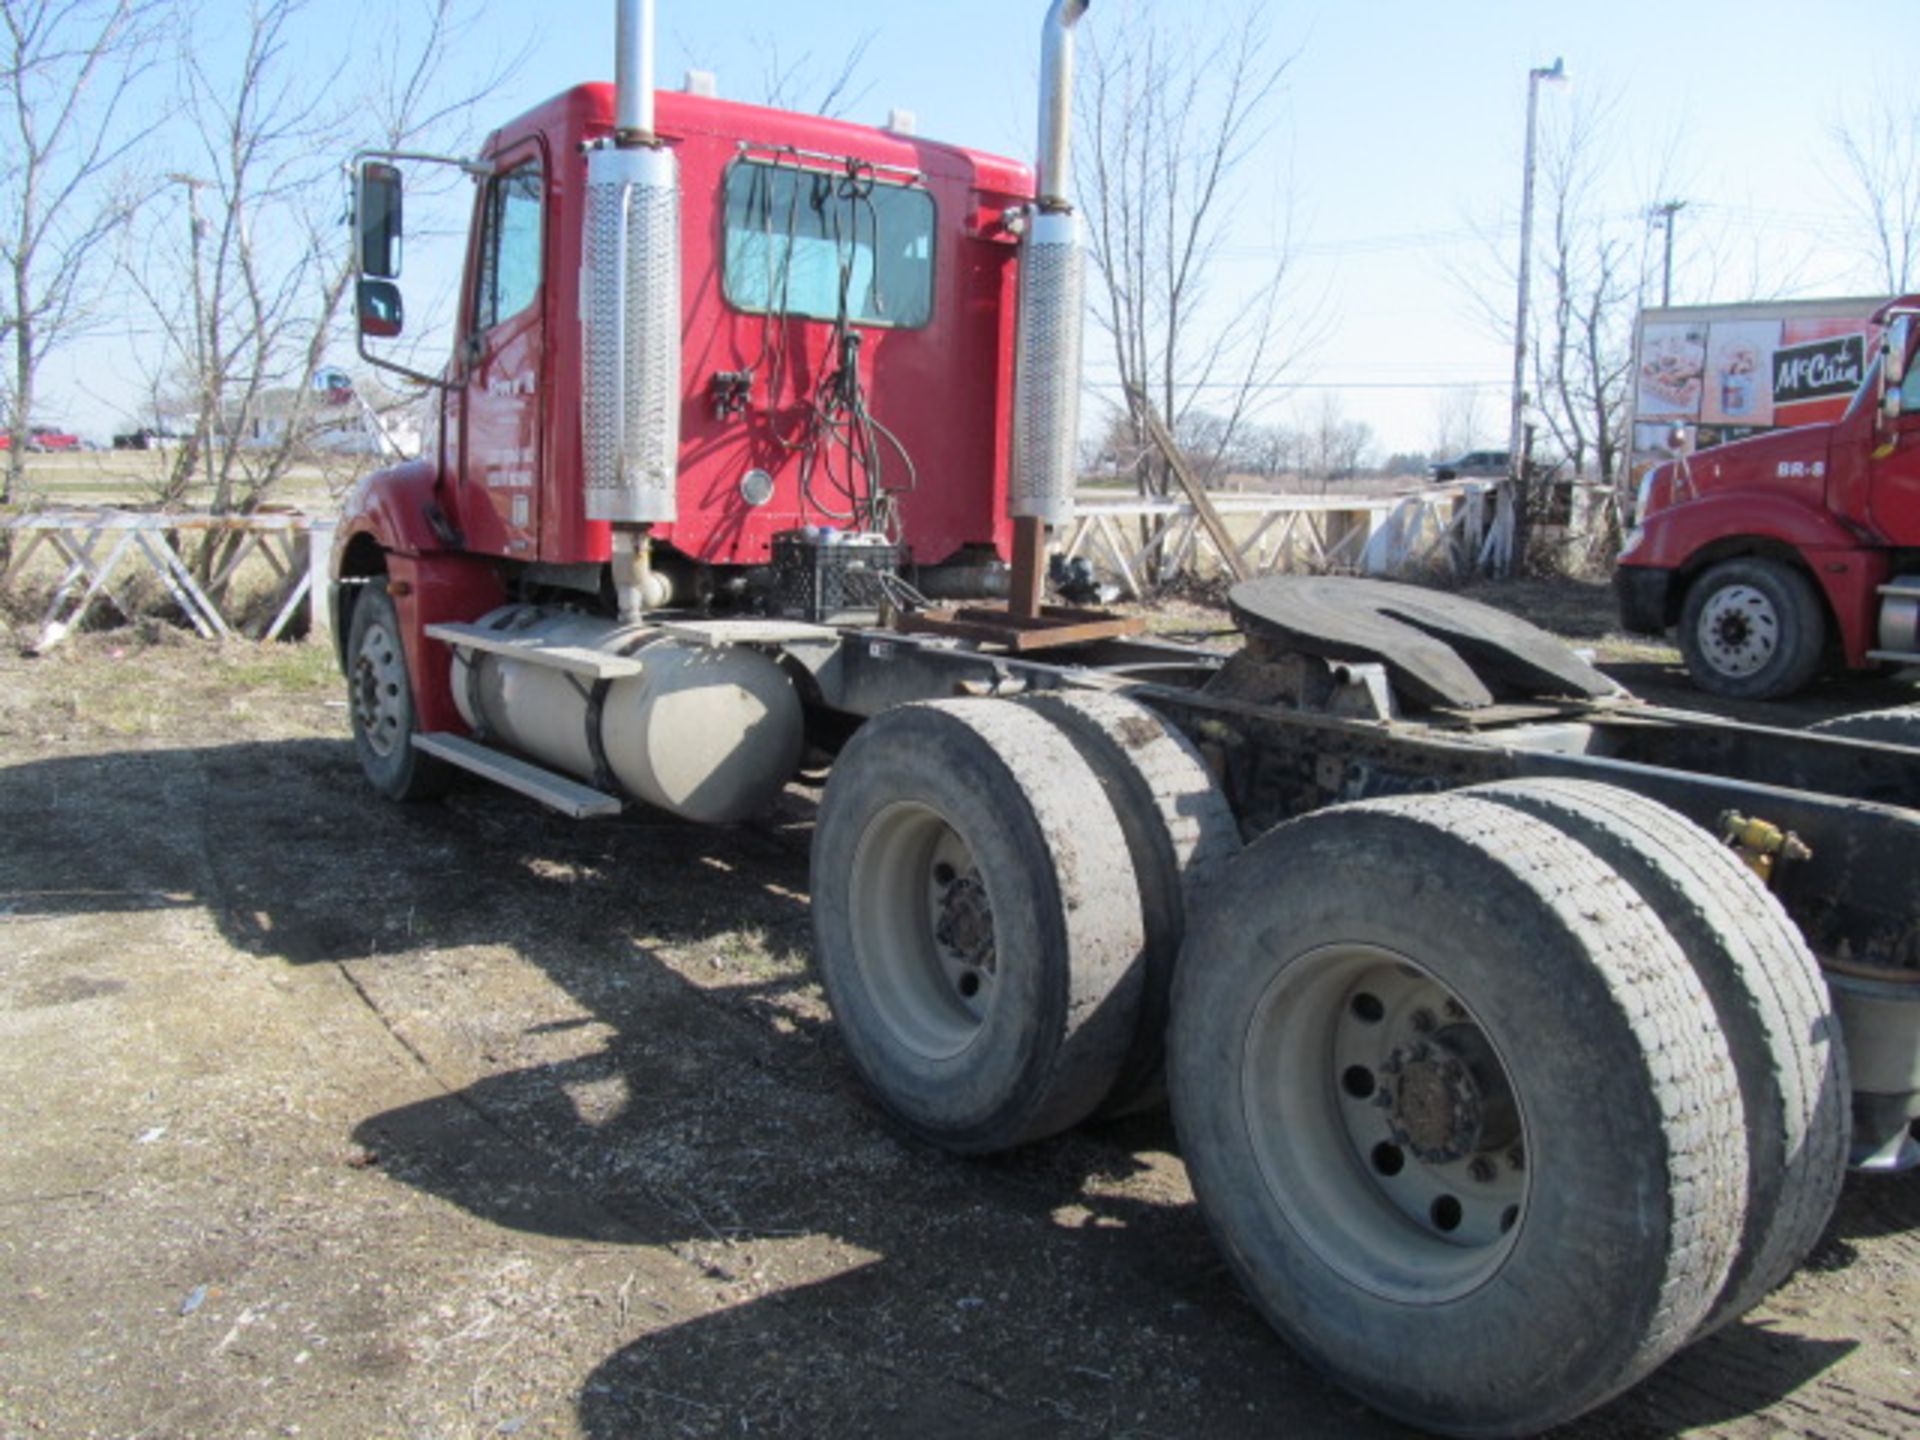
(1739,629)
(923,930)
(1385,1124)
(380,691)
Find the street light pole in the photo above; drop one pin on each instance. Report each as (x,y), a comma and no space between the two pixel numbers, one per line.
(1515,433)
(1666,210)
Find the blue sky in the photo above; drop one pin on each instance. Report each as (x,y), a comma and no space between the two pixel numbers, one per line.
(1395,150)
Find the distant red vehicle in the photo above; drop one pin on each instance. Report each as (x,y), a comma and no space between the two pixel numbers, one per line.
(44,439)
(49,439)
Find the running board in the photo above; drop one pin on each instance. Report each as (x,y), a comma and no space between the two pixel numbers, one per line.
(569,797)
(574,659)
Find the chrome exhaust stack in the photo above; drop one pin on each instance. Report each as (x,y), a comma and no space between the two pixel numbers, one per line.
(630,309)
(1046,395)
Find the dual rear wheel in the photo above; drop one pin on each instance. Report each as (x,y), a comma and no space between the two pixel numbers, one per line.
(1494,1099)
(998,893)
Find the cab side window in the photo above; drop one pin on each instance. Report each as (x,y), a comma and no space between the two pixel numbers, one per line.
(1910,390)
(509,246)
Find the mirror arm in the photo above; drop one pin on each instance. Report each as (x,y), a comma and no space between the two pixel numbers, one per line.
(419,377)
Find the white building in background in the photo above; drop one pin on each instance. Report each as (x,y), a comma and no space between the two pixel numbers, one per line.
(335,419)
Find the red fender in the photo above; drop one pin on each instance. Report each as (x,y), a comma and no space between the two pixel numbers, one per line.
(1726,522)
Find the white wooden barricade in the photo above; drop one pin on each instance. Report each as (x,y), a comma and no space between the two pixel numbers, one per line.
(1455,527)
(100,548)
(1458,527)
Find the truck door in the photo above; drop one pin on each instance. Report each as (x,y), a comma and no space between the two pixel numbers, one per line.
(500,427)
(1896,469)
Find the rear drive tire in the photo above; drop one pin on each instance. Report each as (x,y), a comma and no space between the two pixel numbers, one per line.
(1897,726)
(1454,1105)
(1752,629)
(380,703)
(976,922)
(1179,831)
(1768,996)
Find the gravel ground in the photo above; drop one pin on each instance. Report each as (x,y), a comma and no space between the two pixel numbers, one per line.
(321,1116)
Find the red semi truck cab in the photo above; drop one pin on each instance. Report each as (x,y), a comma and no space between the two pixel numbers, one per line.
(1781,555)
(847,306)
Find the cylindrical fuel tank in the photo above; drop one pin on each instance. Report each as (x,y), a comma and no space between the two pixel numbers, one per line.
(711,734)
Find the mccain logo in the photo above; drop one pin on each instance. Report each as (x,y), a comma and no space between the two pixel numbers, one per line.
(1818,369)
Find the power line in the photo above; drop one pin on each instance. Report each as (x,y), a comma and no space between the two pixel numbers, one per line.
(1271,385)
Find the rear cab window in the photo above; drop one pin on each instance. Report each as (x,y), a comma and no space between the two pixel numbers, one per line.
(820,244)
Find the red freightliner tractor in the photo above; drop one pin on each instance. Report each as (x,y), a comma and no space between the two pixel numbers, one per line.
(1516,1033)
(1781,555)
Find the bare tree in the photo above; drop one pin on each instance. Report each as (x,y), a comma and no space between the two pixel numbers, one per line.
(1458,421)
(784,85)
(67,68)
(1583,346)
(1881,149)
(1170,111)
(245,271)
(1335,447)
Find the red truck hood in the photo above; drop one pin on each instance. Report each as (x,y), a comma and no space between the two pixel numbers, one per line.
(1784,462)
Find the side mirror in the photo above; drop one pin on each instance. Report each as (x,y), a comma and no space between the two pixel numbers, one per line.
(378,309)
(377,220)
(1893,364)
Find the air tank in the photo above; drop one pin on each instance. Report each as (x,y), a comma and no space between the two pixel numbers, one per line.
(708,734)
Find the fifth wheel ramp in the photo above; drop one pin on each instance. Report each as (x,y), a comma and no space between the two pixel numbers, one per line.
(1438,648)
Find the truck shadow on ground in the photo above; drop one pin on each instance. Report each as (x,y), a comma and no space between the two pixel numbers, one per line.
(828,1275)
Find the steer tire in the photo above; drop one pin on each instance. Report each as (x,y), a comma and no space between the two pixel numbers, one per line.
(1752,629)
(380,703)
(1179,831)
(1898,726)
(976,923)
(1768,996)
(1563,1220)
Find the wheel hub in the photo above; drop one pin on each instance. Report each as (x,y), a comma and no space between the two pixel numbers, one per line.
(1445,1101)
(963,922)
(921,905)
(1387,1122)
(377,679)
(1739,629)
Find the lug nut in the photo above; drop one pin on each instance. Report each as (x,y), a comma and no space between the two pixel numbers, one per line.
(1481,1169)
(1422,1021)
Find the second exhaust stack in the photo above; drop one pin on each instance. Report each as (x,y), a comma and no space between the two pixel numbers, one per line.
(1046,394)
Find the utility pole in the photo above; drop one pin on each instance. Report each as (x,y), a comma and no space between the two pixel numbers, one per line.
(1515,463)
(1664,213)
(203,361)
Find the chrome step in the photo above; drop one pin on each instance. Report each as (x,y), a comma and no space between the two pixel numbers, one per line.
(558,792)
(1896,657)
(574,659)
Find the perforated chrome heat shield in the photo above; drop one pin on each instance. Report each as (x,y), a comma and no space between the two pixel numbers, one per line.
(1046,393)
(630,311)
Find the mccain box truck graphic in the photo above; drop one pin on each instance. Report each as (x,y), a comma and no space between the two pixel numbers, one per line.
(1728,371)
